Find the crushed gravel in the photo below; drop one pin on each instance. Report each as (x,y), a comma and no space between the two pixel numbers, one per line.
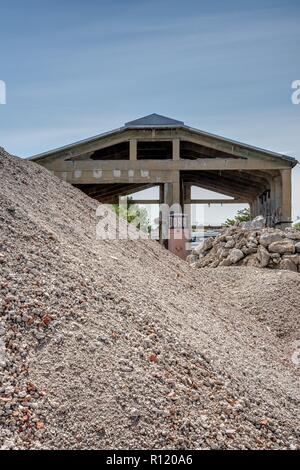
(121,345)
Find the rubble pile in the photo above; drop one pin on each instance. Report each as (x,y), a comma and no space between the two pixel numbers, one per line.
(264,248)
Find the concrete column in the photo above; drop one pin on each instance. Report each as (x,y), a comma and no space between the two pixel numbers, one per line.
(277,198)
(257,206)
(176,188)
(286,196)
(166,198)
(273,199)
(161,201)
(187,209)
(176,149)
(172,193)
(172,197)
(133,149)
(269,208)
(252,209)
(168,193)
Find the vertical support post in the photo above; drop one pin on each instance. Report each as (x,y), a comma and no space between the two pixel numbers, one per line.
(278,186)
(257,209)
(176,149)
(252,209)
(187,209)
(286,195)
(168,193)
(273,200)
(176,242)
(133,149)
(176,188)
(172,193)
(161,201)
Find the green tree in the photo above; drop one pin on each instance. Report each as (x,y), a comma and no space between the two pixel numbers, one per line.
(297,225)
(243,215)
(134,214)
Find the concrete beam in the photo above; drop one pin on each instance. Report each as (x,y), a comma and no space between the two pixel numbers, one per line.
(203,164)
(112,190)
(219,201)
(238,179)
(145,201)
(122,171)
(117,176)
(212,187)
(228,188)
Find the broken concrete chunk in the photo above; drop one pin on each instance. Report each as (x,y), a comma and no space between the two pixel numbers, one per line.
(204,246)
(264,248)
(288,265)
(263,256)
(283,246)
(293,234)
(295,258)
(270,237)
(258,223)
(297,247)
(235,255)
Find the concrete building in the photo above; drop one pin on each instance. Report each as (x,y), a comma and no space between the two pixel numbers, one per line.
(159,151)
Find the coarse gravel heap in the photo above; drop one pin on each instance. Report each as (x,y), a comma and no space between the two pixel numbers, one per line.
(120,344)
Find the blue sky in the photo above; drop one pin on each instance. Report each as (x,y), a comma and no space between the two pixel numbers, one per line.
(74,69)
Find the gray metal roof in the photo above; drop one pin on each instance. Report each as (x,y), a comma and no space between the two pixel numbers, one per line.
(154,120)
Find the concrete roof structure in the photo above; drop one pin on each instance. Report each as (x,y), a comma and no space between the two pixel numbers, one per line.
(158,121)
(160,151)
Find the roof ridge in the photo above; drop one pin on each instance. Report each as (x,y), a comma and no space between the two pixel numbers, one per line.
(154,119)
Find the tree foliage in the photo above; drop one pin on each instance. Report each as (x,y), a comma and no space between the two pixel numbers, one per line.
(134,214)
(243,215)
(297,225)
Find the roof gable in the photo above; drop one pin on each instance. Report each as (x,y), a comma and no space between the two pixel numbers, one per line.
(164,124)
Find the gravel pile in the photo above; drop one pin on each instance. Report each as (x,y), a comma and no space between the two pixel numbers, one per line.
(119,344)
(265,248)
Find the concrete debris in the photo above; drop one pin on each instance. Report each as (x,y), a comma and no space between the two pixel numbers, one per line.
(256,224)
(265,248)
